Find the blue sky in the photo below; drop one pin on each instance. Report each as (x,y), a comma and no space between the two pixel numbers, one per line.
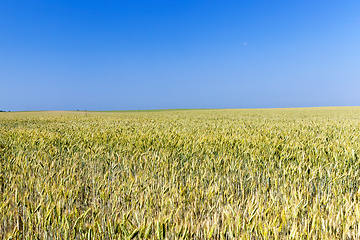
(122,55)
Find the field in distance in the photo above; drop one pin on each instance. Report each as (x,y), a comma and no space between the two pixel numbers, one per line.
(181,174)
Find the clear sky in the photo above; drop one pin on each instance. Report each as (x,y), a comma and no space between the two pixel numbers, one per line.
(121,55)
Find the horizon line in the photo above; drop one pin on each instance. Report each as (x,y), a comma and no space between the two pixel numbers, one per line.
(173,109)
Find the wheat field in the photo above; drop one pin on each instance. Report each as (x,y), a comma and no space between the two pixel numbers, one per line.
(182,174)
